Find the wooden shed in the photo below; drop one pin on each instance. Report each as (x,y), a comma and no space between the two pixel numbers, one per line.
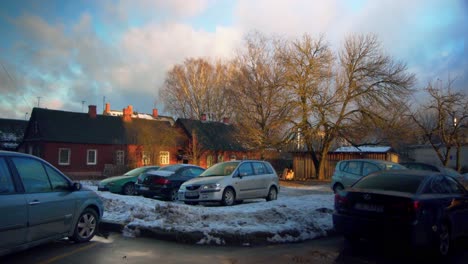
(304,169)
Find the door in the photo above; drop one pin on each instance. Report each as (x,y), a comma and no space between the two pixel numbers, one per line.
(262,179)
(352,172)
(50,201)
(13,225)
(244,181)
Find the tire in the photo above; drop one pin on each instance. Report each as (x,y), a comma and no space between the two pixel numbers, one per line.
(272,194)
(128,189)
(86,226)
(338,187)
(229,197)
(444,241)
(173,195)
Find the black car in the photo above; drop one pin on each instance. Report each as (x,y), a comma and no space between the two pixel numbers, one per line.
(420,207)
(166,180)
(431,167)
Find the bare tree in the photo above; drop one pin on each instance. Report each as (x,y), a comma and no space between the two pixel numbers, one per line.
(339,95)
(197,87)
(258,93)
(443,121)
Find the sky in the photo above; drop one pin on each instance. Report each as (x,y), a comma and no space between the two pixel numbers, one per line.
(68,54)
(299,214)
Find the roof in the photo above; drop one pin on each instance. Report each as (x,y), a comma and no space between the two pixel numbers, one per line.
(369,149)
(11,133)
(72,127)
(213,135)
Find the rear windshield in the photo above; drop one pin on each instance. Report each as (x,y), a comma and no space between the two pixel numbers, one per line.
(392,182)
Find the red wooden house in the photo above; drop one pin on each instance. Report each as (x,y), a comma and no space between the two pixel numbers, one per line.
(88,145)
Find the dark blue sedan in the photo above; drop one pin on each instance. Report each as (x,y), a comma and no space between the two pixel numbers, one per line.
(421,208)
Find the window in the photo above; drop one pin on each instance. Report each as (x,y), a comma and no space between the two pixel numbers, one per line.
(258,168)
(245,169)
(56,179)
(209,161)
(164,157)
(6,185)
(353,167)
(146,158)
(220,158)
(453,186)
(91,157)
(64,156)
(368,168)
(119,157)
(33,175)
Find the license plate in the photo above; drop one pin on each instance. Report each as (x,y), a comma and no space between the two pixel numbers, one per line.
(191,194)
(144,188)
(369,207)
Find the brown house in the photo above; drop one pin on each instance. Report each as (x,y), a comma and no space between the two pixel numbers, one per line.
(211,142)
(85,145)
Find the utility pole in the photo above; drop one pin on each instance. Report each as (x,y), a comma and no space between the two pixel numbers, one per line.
(38,101)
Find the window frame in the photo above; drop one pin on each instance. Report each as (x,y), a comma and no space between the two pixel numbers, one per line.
(164,157)
(68,162)
(120,157)
(88,162)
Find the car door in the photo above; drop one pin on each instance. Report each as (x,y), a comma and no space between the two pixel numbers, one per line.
(352,172)
(13,222)
(262,179)
(50,200)
(458,206)
(244,181)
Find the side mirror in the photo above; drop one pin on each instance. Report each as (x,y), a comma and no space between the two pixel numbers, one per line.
(76,186)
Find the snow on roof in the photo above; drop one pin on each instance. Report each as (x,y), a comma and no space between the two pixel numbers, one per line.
(379,149)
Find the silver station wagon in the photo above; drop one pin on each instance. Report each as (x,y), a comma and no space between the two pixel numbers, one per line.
(40,204)
(232,181)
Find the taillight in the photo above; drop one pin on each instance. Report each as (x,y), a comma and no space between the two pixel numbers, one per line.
(161,181)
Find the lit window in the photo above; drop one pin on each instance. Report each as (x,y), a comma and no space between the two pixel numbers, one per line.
(146,158)
(220,158)
(64,156)
(119,157)
(91,157)
(209,161)
(164,157)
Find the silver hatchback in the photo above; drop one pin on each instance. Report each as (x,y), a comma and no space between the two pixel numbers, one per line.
(40,204)
(232,181)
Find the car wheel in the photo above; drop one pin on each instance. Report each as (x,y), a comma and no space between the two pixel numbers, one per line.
(128,189)
(272,194)
(173,195)
(228,197)
(444,240)
(338,187)
(86,226)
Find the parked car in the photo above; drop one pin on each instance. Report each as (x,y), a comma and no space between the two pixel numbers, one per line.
(231,181)
(166,181)
(124,184)
(348,172)
(39,204)
(430,167)
(426,209)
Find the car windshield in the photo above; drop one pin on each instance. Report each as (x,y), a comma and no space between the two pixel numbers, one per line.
(394,182)
(136,172)
(221,169)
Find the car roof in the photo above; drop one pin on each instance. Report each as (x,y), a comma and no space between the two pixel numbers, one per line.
(371,160)
(410,173)
(12,153)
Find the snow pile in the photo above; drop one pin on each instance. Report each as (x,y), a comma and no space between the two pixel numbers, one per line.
(295,216)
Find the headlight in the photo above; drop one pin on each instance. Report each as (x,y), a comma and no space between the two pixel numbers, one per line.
(215,186)
(182,188)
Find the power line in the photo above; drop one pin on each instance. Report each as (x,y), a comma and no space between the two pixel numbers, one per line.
(14,83)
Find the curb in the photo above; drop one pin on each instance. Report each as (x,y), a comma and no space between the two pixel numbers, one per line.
(219,239)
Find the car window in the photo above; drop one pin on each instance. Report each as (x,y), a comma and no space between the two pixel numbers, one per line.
(6,184)
(439,185)
(453,186)
(246,169)
(368,168)
(353,167)
(268,168)
(196,171)
(259,168)
(57,180)
(32,174)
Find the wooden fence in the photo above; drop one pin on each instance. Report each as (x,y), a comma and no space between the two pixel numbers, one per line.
(304,169)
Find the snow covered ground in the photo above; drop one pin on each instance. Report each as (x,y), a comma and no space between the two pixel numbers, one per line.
(300,213)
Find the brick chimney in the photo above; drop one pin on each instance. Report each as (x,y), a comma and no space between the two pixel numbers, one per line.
(127,113)
(155,113)
(92,111)
(203,117)
(107,110)
(226,120)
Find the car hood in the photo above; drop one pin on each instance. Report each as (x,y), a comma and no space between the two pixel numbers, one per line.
(116,178)
(205,180)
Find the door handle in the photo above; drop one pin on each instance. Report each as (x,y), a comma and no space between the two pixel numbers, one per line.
(34,202)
